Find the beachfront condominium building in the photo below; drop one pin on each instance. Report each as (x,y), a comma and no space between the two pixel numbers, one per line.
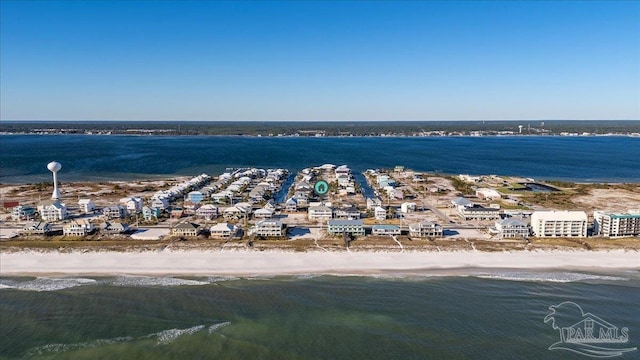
(610,224)
(477,212)
(512,228)
(559,223)
(352,227)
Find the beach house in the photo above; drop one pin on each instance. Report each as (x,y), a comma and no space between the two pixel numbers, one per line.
(78,228)
(109,227)
(133,204)
(195,196)
(383,229)
(52,211)
(263,213)
(512,228)
(291,205)
(425,229)
(346,212)
(36,228)
(86,206)
(23,212)
(268,228)
(114,212)
(207,211)
(380,213)
(150,213)
(185,229)
(222,230)
(320,212)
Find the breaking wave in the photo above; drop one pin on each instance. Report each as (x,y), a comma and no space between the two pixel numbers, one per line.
(560,277)
(164,337)
(45,284)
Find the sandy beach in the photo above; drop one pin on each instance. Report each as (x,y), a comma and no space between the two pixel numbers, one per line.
(283,263)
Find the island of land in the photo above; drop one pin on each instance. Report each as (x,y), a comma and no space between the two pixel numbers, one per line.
(322,219)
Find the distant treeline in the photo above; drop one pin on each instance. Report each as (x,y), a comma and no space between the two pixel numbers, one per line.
(335,128)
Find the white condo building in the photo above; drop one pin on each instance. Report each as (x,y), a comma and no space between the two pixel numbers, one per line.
(610,224)
(559,223)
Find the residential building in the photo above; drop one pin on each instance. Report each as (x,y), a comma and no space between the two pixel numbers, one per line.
(320,212)
(385,230)
(559,223)
(114,212)
(190,207)
(425,229)
(36,228)
(86,206)
(78,228)
(52,211)
(133,204)
(380,213)
(109,227)
(195,196)
(407,207)
(352,227)
(160,203)
(372,203)
(478,212)
(263,213)
(347,212)
(461,202)
(185,229)
(611,224)
(291,205)
(207,211)
(23,212)
(512,228)
(488,194)
(269,228)
(151,213)
(233,212)
(222,230)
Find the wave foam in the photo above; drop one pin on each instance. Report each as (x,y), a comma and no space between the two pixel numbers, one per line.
(57,348)
(154,281)
(562,277)
(168,336)
(46,284)
(215,327)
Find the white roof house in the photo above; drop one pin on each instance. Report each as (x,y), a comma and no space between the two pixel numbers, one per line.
(488,194)
(222,230)
(86,205)
(380,213)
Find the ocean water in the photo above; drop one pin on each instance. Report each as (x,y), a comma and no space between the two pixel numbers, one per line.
(23,158)
(482,315)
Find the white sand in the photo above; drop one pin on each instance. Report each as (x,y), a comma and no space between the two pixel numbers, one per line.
(279,262)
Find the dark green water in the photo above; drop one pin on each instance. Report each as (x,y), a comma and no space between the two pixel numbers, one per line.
(499,316)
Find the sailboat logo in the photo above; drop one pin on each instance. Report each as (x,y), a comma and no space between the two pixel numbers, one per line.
(586,334)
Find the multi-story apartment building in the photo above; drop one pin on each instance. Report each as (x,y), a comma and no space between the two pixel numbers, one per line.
(559,223)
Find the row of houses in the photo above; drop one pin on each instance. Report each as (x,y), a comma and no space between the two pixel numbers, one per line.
(74,228)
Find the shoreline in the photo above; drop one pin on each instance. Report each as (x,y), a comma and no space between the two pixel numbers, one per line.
(263,263)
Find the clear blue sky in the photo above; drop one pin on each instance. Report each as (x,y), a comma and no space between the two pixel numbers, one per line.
(199,60)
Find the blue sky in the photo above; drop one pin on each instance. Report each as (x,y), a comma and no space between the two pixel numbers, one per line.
(199,60)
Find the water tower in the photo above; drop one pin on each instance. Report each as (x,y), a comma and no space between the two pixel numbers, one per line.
(54,167)
(520,128)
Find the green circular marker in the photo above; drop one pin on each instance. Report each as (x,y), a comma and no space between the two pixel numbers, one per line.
(321,187)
